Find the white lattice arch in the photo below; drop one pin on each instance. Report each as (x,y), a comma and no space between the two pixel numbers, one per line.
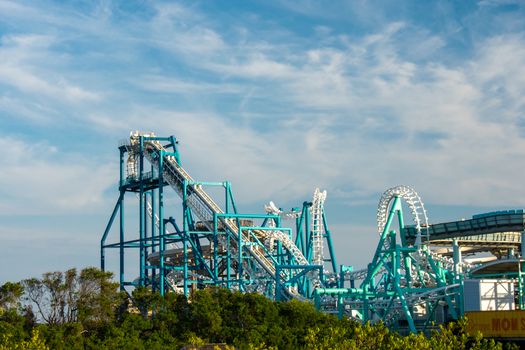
(415,204)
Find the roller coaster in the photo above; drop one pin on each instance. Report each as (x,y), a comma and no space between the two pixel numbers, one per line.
(415,279)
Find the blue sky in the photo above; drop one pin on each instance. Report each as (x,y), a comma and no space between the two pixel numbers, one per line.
(278,97)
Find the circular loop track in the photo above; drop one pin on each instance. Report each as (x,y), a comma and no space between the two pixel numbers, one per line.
(415,204)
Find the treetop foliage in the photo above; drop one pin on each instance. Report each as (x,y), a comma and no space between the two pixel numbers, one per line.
(85,310)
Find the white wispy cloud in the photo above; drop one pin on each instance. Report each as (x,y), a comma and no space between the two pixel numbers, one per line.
(382,119)
(355,113)
(176,85)
(181,30)
(38,179)
(23,61)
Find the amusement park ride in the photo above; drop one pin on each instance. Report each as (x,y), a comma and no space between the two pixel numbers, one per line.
(416,278)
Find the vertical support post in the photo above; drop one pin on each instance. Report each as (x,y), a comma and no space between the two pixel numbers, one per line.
(307,233)
(227,197)
(121,246)
(396,206)
(153,234)
(277,283)
(230,194)
(174,143)
(340,307)
(106,232)
(152,224)
(161,225)
(142,253)
(228,261)
(366,285)
(185,261)
(299,238)
(215,249)
(328,237)
(121,167)
(102,256)
(185,230)
(280,255)
(147,241)
(317,299)
(406,256)
(121,224)
(399,290)
(239,257)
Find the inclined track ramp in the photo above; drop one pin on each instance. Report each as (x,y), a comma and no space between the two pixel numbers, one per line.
(205,208)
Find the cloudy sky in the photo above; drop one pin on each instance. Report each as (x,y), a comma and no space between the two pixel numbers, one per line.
(279,97)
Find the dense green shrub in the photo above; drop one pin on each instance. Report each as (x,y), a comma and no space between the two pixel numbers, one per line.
(86,311)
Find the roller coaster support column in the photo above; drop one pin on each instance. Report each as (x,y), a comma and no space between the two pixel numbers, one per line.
(328,237)
(378,262)
(303,238)
(153,233)
(216,250)
(162,239)
(373,267)
(106,231)
(185,228)
(142,225)
(307,229)
(406,256)
(239,259)
(302,228)
(397,283)
(121,230)
(144,185)
(121,243)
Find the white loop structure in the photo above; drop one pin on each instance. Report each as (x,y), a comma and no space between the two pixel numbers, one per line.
(318,226)
(415,204)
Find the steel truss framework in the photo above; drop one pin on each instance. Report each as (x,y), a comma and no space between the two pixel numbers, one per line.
(213,246)
(405,286)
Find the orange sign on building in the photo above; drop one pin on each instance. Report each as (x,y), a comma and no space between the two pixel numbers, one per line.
(504,324)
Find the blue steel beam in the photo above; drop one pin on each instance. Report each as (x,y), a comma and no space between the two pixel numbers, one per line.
(218,264)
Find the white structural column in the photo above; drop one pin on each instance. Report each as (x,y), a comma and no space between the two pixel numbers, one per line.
(318,227)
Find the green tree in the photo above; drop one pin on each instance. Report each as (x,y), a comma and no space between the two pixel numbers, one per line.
(97,296)
(68,297)
(206,313)
(85,311)
(9,342)
(10,294)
